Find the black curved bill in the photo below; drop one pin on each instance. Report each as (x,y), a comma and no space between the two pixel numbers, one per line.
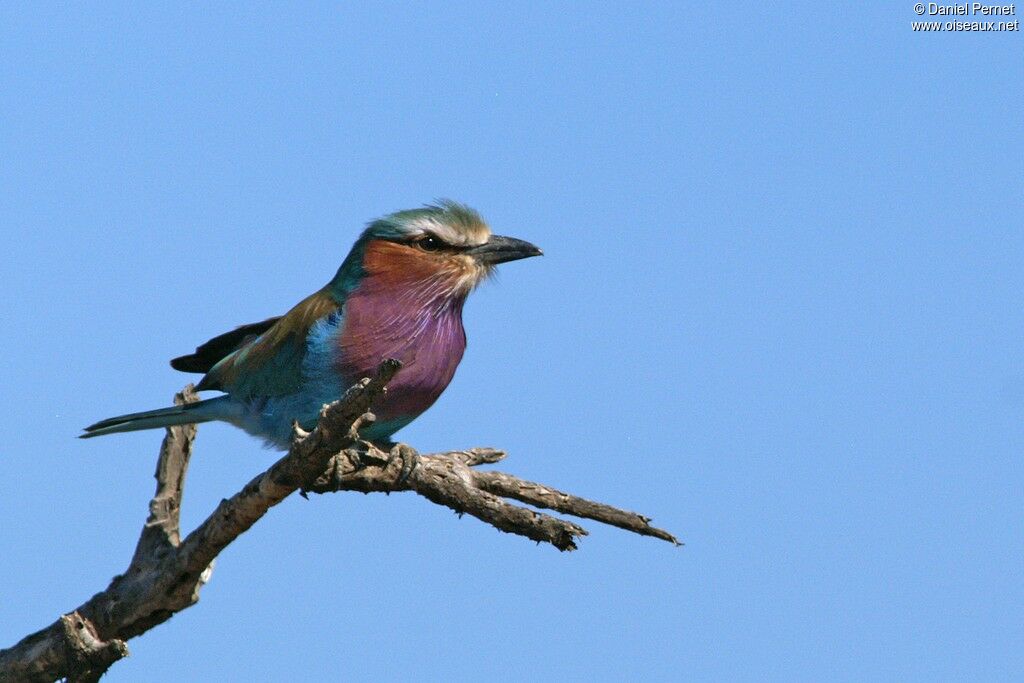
(500,249)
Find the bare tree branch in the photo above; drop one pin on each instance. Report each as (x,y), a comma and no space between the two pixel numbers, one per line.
(166,573)
(448,479)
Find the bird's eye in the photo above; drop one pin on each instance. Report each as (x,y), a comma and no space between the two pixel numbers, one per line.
(430,243)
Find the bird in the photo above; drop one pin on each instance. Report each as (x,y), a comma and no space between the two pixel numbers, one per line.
(398,294)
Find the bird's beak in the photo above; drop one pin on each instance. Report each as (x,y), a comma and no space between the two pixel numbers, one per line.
(500,249)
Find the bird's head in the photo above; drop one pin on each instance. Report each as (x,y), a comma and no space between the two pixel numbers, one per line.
(446,246)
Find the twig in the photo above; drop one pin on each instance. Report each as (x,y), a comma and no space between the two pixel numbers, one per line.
(448,479)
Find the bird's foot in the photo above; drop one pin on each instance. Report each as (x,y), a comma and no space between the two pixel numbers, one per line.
(355,456)
(359,452)
(410,460)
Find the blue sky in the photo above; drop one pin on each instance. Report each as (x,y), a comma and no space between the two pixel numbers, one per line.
(779,311)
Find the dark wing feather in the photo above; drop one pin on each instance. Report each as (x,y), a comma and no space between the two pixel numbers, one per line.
(211,353)
(271,363)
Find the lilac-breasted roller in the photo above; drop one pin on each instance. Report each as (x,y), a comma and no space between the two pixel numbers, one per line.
(398,294)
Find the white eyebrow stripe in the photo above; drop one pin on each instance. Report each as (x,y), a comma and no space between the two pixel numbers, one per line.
(469,236)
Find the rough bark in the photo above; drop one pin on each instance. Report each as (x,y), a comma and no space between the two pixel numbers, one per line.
(166,573)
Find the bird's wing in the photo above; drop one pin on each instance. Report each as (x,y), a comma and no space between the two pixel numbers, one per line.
(210,353)
(271,364)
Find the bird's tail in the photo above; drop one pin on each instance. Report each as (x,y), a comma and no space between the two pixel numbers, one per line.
(191,413)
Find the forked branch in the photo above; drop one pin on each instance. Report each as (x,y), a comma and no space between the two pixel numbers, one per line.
(166,573)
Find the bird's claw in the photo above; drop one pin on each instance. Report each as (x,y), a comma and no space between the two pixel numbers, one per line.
(410,460)
(355,456)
